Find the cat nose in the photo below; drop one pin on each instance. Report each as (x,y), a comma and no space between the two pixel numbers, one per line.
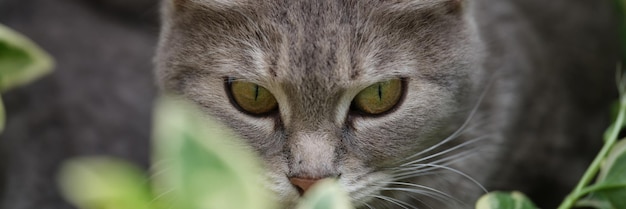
(303,184)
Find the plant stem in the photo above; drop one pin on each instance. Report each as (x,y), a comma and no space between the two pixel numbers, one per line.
(591,172)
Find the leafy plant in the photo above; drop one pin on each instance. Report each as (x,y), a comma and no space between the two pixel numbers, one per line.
(609,190)
(199,165)
(608,168)
(21,62)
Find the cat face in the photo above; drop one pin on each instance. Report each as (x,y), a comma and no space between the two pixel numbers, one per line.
(343,89)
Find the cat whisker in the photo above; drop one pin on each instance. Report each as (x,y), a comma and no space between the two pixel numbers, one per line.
(460,129)
(424,188)
(419,168)
(413,174)
(429,192)
(161,195)
(421,201)
(449,159)
(394,201)
(419,192)
(460,173)
(447,150)
(362,191)
(411,166)
(366,205)
(158,172)
(423,155)
(412,170)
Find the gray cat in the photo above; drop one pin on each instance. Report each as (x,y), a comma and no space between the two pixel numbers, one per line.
(542,116)
(408,103)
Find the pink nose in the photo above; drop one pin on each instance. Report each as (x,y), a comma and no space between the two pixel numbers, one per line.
(303,184)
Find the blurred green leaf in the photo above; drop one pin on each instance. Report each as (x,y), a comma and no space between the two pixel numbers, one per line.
(104,183)
(326,194)
(204,165)
(504,200)
(21,61)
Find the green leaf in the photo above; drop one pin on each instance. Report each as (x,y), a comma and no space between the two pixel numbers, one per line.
(611,183)
(21,61)
(614,167)
(201,165)
(503,200)
(104,183)
(326,194)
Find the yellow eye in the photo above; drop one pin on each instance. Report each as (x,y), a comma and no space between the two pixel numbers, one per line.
(378,98)
(252,98)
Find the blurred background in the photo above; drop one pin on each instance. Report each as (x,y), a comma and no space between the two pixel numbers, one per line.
(98,100)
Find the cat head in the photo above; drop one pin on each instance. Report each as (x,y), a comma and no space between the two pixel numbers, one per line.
(344,89)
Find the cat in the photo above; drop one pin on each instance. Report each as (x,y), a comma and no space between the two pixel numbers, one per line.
(407,103)
(556,59)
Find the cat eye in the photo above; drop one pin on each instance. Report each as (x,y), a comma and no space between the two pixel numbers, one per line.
(252,98)
(378,98)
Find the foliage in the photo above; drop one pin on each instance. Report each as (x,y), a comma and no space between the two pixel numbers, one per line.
(607,192)
(105,183)
(199,165)
(610,189)
(21,62)
(513,200)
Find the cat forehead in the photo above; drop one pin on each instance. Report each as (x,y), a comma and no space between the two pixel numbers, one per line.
(302,40)
(310,5)
(301,16)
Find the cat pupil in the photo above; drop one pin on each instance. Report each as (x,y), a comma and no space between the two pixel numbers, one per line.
(256,92)
(380,92)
